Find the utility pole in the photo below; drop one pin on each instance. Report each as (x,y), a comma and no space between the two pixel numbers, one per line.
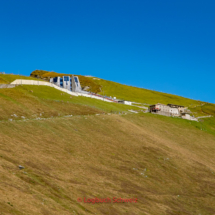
(102,92)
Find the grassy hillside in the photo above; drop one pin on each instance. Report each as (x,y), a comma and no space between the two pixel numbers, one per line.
(209,109)
(141,95)
(41,101)
(145,96)
(130,93)
(7,79)
(2,81)
(125,92)
(108,88)
(167,164)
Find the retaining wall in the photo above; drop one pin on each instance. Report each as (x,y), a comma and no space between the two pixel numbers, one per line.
(7,86)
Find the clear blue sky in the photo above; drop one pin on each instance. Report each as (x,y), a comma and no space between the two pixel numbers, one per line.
(166,45)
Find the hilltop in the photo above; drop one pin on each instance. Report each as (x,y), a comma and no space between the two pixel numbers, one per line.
(77,147)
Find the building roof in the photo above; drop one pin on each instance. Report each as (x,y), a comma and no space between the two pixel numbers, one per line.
(172,105)
(157,104)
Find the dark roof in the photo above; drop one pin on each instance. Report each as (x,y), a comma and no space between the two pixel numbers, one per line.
(171,105)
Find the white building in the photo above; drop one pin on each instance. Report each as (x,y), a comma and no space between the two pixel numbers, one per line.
(188,117)
(174,111)
(127,103)
(164,110)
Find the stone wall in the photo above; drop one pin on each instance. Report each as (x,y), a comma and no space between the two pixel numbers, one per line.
(7,86)
(162,113)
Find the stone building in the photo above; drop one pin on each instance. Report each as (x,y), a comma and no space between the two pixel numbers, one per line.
(165,110)
(180,108)
(171,110)
(188,117)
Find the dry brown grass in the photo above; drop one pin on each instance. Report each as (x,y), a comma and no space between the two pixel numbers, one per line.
(106,156)
(2,81)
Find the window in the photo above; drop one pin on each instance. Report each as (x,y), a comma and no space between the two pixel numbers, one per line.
(76,80)
(61,82)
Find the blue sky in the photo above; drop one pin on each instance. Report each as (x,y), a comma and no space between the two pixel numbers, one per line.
(168,46)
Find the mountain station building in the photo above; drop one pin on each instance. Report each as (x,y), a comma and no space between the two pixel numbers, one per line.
(70,83)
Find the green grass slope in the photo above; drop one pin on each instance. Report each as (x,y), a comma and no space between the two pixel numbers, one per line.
(209,109)
(130,93)
(144,96)
(7,79)
(41,101)
(141,95)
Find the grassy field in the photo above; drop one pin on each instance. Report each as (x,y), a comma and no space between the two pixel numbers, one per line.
(145,96)
(125,92)
(41,101)
(141,95)
(167,163)
(7,79)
